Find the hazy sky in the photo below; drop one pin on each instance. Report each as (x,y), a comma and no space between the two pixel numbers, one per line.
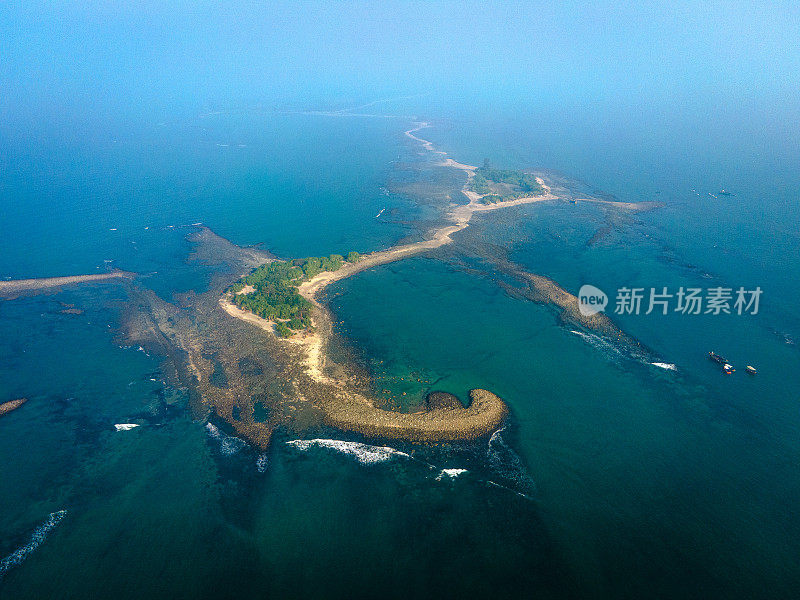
(137,57)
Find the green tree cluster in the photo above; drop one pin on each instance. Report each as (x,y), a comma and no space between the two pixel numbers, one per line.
(275,296)
(525,182)
(480,185)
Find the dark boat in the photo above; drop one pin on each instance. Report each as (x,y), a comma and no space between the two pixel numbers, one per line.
(727,367)
(716,358)
(724,193)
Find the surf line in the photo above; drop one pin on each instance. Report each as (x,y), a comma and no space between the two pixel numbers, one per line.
(37,537)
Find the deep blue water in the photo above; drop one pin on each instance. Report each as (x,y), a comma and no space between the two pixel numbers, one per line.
(639,481)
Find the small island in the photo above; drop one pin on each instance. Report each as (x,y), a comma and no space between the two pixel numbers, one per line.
(502,185)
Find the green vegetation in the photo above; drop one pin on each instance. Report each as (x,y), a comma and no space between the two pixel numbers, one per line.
(480,185)
(275,296)
(503,184)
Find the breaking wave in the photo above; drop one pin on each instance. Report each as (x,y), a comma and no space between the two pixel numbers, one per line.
(37,537)
(614,351)
(667,366)
(598,343)
(507,463)
(363,453)
(228,444)
(262,462)
(125,426)
(451,473)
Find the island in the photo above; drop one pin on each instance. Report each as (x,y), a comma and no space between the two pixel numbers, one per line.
(257,350)
(493,186)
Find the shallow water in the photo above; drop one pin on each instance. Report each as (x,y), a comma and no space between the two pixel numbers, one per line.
(614,478)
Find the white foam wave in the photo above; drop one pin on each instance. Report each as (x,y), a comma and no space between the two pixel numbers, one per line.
(37,537)
(125,426)
(363,453)
(508,489)
(262,462)
(667,366)
(451,473)
(507,463)
(596,341)
(228,444)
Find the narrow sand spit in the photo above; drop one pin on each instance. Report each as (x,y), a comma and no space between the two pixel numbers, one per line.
(425,143)
(633,206)
(459,216)
(19,286)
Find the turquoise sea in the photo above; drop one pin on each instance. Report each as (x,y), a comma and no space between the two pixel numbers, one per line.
(617,478)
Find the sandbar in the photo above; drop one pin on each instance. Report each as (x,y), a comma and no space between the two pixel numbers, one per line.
(20,286)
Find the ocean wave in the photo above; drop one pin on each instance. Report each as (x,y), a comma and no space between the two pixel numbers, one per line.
(451,473)
(125,426)
(613,351)
(363,453)
(597,342)
(667,366)
(508,464)
(508,489)
(37,537)
(228,444)
(262,462)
